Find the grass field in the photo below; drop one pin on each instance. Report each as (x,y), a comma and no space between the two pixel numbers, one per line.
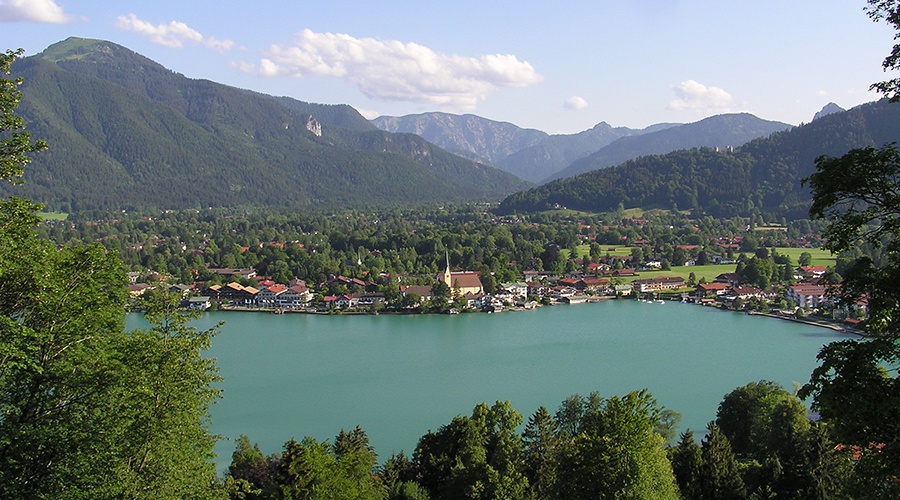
(819,257)
(709,272)
(53,215)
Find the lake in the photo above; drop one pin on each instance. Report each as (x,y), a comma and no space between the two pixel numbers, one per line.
(297,375)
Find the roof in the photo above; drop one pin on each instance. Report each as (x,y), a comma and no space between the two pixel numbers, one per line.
(465,280)
(713,286)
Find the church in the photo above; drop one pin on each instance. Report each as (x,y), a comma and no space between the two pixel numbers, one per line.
(462,283)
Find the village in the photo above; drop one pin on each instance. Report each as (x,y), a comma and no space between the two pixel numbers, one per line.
(454,292)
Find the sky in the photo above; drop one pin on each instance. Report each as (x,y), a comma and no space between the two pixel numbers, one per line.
(559,67)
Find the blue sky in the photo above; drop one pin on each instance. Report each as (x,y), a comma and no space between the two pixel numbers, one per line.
(560,67)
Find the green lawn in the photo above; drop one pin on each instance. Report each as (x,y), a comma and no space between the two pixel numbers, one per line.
(53,215)
(820,257)
(583,250)
(709,272)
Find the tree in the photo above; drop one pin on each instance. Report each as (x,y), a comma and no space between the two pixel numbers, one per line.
(719,475)
(251,472)
(309,469)
(474,457)
(744,414)
(357,460)
(617,453)
(858,196)
(15,142)
(686,462)
(851,388)
(542,447)
(165,400)
(88,410)
(888,11)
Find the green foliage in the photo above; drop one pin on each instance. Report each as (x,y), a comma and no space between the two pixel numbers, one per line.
(617,453)
(851,387)
(15,142)
(474,457)
(686,463)
(88,410)
(719,475)
(889,12)
(543,443)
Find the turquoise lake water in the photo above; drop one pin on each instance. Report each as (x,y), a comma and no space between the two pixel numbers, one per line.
(297,375)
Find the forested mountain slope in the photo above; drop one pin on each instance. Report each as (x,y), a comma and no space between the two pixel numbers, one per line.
(763,175)
(125,132)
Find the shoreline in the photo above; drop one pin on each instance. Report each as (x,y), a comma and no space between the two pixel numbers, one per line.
(821,323)
(838,327)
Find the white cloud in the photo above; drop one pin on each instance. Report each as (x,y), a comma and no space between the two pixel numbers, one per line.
(694,96)
(390,70)
(37,11)
(368,114)
(174,34)
(575,102)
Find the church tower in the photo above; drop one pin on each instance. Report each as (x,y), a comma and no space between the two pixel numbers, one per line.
(447,277)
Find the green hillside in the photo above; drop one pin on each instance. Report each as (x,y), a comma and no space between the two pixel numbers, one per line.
(125,132)
(763,175)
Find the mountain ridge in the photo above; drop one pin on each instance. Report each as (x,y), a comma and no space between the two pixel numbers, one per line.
(762,176)
(540,157)
(126,132)
(722,131)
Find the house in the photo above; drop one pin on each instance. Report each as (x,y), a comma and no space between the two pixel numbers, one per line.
(732,279)
(714,289)
(560,292)
(743,293)
(532,275)
(180,289)
(812,272)
(806,295)
(198,303)
(138,289)
(295,296)
(539,289)
(366,299)
(593,284)
(657,284)
(269,297)
(230,271)
(421,291)
(336,301)
(515,291)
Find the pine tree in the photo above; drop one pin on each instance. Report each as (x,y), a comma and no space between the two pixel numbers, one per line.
(719,475)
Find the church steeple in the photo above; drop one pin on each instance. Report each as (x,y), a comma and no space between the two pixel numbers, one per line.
(447,278)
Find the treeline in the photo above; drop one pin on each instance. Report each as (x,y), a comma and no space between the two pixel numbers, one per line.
(763,176)
(761,445)
(411,241)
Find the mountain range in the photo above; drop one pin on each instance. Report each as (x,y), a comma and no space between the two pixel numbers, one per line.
(125,132)
(762,176)
(539,157)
